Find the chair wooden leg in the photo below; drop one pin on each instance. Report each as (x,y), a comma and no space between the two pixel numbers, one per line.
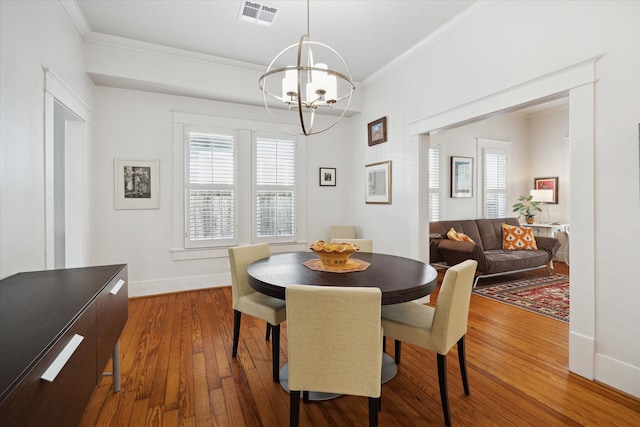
(236,331)
(398,351)
(442,378)
(305,396)
(275,353)
(268,331)
(463,365)
(294,408)
(374,408)
(384,344)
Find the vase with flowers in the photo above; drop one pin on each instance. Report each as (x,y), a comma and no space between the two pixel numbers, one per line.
(527,208)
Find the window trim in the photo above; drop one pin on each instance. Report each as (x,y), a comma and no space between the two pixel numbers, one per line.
(244,127)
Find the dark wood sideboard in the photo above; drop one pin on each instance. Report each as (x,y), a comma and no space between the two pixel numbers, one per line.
(58,329)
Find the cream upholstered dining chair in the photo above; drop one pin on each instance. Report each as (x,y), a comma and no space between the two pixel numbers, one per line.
(366,245)
(439,328)
(342,232)
(321,320)
(247,300)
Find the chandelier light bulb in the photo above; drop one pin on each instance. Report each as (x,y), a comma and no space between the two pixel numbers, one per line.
(307,85)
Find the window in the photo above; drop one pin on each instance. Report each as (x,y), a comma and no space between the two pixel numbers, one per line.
(434,183)
(494,177)
(210,196)
(275,206)
(241,182)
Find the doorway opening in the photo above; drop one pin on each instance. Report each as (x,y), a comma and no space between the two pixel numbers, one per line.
(578,83)
(66,121)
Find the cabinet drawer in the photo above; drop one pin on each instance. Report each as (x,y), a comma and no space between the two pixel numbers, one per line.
(38,402)
(112,314)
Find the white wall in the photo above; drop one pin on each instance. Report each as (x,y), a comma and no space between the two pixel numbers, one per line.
(33,35)
(501,49)
(132,124)
(549,156)
(462,141)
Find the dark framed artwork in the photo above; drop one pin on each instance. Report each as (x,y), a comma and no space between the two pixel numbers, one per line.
(378,183)
(547,184)
(327,177)
(377,131)
(461,177)
(136,184)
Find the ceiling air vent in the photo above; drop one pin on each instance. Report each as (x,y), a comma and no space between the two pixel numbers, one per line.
(258,12)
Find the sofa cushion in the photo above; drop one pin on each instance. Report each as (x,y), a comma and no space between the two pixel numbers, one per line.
(467,227)
(518,238)
(490,231)
(460,237)
(499,261)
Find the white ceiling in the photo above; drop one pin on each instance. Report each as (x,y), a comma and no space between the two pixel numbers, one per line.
(367,33)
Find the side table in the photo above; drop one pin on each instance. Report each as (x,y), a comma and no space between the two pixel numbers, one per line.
(557,230)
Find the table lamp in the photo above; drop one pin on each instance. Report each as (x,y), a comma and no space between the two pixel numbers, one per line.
(544,197)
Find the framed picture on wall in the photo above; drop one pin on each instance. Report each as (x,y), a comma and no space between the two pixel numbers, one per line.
(377,131)
(136,184)
(547,184)
(327,177)
(461,177)
(378,183)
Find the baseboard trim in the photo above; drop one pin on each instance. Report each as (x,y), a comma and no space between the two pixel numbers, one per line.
(618,374)
(581,354)
(178,284)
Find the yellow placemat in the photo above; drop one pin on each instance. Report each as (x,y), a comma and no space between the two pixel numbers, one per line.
(353,264)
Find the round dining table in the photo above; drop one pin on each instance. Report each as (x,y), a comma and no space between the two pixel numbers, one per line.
(400,280)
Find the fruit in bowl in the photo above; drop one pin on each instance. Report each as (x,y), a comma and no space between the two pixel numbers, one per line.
(334,254)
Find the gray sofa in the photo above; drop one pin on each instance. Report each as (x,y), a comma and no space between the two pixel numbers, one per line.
(487,248)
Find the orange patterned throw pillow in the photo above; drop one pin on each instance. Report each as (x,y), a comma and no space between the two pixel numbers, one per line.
(518,238)
(460,237)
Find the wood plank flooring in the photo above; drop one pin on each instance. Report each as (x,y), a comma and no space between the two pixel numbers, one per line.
(177,370)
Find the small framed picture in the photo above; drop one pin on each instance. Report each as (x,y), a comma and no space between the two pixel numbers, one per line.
(136,184)
(461,177)
(378,183)
(327,177)
(377,131)
(547,184)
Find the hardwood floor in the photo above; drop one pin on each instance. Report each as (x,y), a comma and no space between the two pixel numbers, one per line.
(177,370)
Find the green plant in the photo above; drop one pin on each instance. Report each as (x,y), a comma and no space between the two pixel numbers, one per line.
(526,207)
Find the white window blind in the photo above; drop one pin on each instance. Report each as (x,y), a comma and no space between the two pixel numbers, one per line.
(275,188)
(210,191)
(495,183)
(434,183)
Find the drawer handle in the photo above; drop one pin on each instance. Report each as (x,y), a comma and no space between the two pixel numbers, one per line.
(117,287)
(56,366)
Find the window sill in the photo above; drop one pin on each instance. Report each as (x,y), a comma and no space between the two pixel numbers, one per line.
(181,254)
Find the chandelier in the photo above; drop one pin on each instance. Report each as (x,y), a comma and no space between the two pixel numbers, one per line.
(308,85)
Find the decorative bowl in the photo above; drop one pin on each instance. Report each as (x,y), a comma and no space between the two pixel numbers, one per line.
(334,254)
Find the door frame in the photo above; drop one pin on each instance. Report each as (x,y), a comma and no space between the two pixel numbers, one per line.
(578,82)
(76,161)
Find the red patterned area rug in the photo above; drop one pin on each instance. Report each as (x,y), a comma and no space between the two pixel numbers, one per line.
(546,295)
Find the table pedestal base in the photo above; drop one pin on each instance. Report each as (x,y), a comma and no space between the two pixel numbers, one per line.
(389,370)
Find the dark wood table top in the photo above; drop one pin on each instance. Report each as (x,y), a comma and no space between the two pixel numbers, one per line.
(36,308)
(400,279)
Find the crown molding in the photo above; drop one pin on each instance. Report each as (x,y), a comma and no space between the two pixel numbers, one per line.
(89,36)
(77,17)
